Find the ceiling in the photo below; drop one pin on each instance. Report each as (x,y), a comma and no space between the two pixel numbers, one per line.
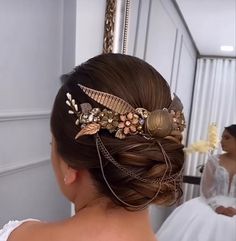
(212,23)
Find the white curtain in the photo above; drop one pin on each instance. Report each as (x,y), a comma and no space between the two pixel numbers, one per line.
(214,100)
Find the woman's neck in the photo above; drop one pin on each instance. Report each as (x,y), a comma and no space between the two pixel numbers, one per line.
(104,215)
(105,205)
(231,155)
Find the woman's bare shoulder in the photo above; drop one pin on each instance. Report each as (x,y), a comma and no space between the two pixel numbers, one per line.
(57,231)
(27,231)
(74,229)
(38,231)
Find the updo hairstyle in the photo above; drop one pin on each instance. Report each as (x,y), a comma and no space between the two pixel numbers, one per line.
(139,84)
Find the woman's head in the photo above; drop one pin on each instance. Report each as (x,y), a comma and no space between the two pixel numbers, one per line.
(133,163)
(228,141)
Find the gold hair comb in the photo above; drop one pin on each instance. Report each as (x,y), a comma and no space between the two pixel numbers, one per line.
(121,118)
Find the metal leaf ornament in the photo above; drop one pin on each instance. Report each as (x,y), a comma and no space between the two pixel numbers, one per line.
(110,101)
(176,104)
(89,129)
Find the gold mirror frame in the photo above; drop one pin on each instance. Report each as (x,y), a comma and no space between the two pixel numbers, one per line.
(116,26)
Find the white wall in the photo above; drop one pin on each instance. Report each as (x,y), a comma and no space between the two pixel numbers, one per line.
(30,66)
(158,35)
(90,16)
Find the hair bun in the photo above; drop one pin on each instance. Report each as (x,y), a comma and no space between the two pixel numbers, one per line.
(159,123)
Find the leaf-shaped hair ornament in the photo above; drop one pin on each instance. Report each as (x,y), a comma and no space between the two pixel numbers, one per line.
(110,101)
(89,129)
(176,104)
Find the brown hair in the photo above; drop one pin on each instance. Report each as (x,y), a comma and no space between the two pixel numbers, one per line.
(232,130)
(138,83)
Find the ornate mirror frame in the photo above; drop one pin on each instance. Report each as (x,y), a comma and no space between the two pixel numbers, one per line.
(116,26)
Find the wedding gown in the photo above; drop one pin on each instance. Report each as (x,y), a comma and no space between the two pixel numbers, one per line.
(196,220)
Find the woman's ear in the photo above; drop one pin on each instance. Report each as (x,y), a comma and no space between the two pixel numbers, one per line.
(70,174)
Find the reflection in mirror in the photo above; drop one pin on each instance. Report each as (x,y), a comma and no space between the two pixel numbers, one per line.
(215,208)
(182,39)
(214,95)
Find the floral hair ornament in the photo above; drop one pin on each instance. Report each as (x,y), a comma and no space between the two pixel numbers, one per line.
(121,118)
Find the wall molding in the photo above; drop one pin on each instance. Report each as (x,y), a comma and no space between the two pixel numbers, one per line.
(24,115)
(147,30)
(11,169)
(174,57)
(179,60)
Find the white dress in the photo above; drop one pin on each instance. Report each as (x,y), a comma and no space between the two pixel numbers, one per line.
(10,227)
(196,220)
